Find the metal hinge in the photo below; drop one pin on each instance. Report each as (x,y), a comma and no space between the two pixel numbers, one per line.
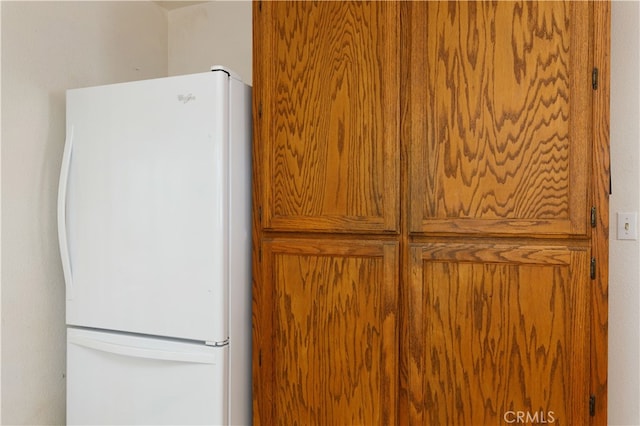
(594,79)
(593,268)
(592,405)
(593,217)
(219,344)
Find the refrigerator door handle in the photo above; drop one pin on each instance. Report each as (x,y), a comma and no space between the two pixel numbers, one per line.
(62,214)
(143,352)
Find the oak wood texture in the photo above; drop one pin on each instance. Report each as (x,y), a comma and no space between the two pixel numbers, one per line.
(503,91)
(499,328)
(329,347)
(423,179)
(329,96)
(600,236)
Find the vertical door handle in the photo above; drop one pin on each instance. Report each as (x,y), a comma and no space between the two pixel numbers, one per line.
(62,214)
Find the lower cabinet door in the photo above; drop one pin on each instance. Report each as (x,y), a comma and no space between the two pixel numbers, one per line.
(499,334)
(326,335)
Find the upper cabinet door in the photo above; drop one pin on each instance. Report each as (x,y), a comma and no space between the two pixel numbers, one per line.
(500,117)
(327,115)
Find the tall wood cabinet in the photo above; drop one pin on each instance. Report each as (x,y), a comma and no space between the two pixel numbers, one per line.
(430,212)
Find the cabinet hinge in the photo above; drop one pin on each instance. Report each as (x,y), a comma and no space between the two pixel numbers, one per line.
(593,268)
(594,79)
(260,110)
(592,405)
(593,217)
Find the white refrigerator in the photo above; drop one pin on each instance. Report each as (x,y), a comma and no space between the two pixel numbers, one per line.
(154,227)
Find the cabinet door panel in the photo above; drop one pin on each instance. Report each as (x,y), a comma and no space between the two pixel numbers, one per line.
(499,332)
(327,105)
(500,107)
(330,340)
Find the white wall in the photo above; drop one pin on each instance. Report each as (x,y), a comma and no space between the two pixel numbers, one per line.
(48,47)
(624,257)
(213,33)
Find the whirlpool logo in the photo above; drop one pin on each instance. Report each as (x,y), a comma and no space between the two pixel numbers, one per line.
(527,417)
(186,98)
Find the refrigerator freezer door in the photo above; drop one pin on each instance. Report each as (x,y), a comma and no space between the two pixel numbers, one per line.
(145,213)
(119,379)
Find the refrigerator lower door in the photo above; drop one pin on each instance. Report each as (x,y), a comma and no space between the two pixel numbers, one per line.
(120,379)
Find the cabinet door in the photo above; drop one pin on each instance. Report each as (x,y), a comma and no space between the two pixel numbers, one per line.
(500,117)
(326,333)
(499,333)
(326,100)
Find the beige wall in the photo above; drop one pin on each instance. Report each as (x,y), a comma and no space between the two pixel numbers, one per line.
(48,47)
(624,256)
(212,33)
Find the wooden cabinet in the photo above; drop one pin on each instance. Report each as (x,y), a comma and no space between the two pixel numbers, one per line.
(430,212)
(499,329)
(327,345)
(501,110)
(327,106)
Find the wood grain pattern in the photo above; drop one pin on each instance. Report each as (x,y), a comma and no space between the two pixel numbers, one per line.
(330,92)
(469,292)
(334,346)
(504,145)
(497,335)
(600,236)
(260,302)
